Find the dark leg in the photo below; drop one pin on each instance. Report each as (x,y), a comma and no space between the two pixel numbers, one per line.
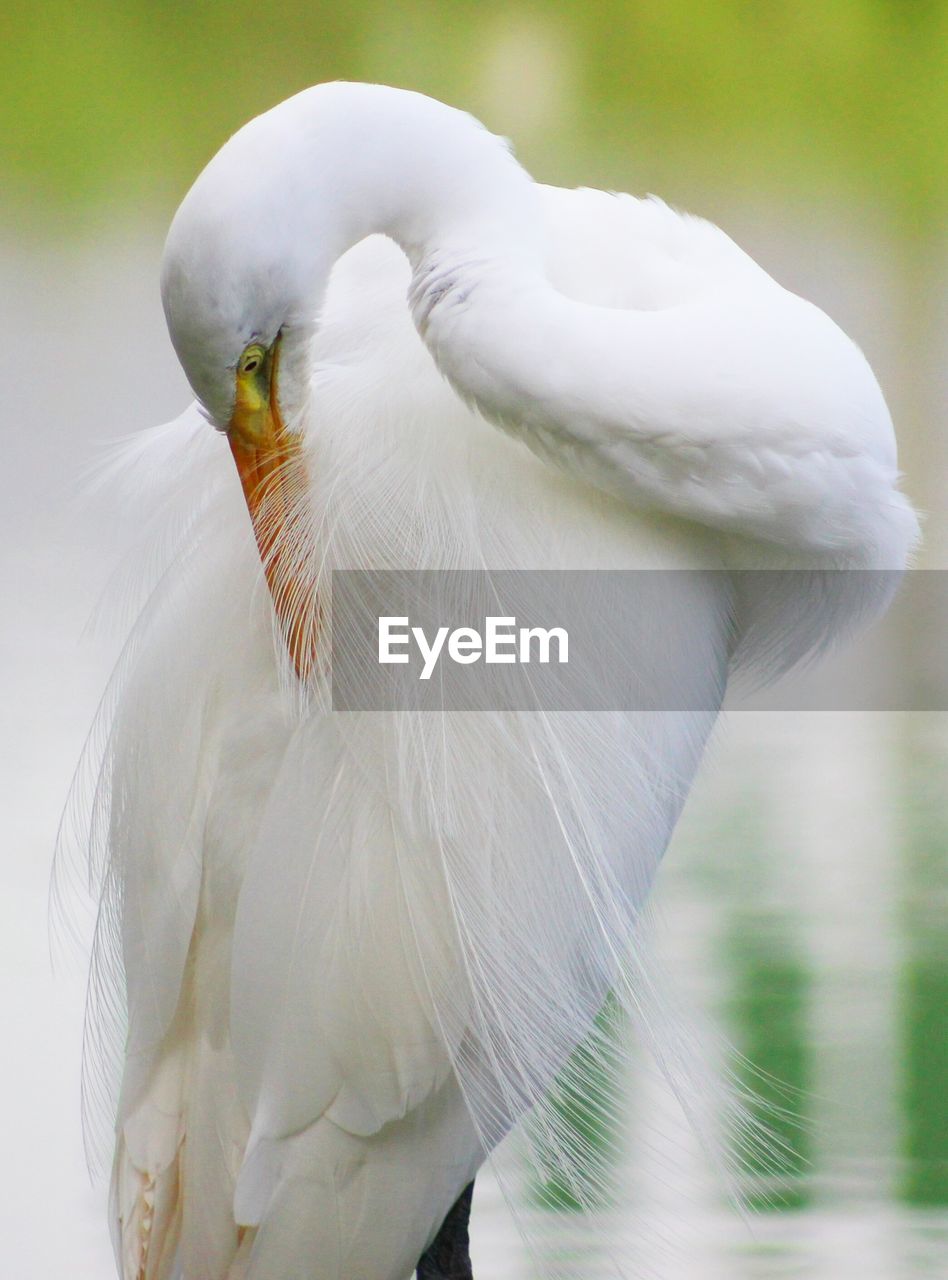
(448,1257)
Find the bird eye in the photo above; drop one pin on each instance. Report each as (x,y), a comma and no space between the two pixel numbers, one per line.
(251,359)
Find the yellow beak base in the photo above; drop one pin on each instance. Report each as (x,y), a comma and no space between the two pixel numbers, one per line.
(272,470)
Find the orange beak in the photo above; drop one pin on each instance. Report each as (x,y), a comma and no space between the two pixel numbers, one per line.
(273,476)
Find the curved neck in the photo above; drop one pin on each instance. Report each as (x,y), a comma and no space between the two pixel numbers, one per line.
(701,410)
(736,405)
(346,161)
(252,245)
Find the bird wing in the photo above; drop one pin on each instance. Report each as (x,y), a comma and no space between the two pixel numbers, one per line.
(410,897)
(453,894)
(703,389)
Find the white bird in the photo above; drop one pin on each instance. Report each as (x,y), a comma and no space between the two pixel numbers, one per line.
(354,948)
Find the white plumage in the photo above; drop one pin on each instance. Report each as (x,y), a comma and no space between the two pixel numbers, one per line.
(356,948)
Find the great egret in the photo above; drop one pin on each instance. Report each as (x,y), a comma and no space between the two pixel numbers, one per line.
(356,948)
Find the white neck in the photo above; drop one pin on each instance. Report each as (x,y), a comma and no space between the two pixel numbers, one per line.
(255,239)
(746,410)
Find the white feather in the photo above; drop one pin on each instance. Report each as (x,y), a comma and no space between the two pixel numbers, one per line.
(357,948)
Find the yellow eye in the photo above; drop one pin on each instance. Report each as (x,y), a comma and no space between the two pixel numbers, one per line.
(252,358)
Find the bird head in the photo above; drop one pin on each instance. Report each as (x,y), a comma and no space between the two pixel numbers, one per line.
(226,300)
(231,278)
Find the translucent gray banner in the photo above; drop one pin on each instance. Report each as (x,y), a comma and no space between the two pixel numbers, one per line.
(644,640)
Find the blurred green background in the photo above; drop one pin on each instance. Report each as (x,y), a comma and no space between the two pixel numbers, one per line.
(806,894)
(125,99)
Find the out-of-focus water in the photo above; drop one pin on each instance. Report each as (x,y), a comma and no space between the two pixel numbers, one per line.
(801,908)
(802,905)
